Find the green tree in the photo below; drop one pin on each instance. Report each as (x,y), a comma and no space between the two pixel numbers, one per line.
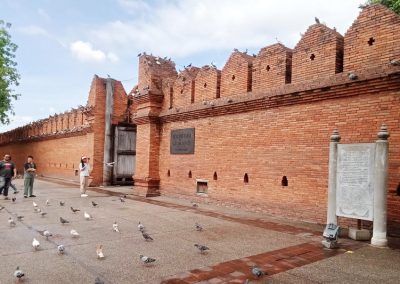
(393,5)
(9,75)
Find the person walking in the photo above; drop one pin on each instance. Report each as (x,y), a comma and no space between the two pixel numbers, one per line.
(84,168)
(29,177)
(7,172)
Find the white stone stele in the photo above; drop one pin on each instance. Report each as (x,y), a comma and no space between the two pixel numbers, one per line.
(355,181)
(359,234)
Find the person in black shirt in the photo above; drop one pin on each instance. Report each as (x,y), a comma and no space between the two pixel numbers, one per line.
(7,172)
(29,177)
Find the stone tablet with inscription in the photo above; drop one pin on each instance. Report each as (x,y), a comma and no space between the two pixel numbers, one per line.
(182,141)
(355,181)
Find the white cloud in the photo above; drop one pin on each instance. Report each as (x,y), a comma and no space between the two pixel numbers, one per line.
(85,52)
(33,30)
(183,28)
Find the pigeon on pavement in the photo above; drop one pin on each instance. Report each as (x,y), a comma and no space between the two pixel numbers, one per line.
(13,199)
(146,236)
(20,218)
(199,227)
(37,210)
(61,249)
(202,248)
(43,214)
(115,227)
(34,204)
(63,221)
(62,203)
(122,199)
(47,202)
(45,233)
(99,252)
(146,259)
(19,274)
(35,244)
(94,204)
(11,222)
(141,227)
(257,272)
(87,216)
(74,233)
(74,210)
(194,204)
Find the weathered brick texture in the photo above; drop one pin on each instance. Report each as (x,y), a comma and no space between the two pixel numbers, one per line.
(207,84)
(272,67)
(183,88)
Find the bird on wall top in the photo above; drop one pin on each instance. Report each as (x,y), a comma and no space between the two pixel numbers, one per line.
(317,20)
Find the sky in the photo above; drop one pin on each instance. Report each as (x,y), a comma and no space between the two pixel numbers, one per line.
(62,44)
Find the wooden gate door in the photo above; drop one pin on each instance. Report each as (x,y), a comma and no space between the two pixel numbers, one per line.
(124,154)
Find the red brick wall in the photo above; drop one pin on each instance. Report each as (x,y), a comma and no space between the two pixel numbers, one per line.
(53,157)
(318,54)
(207,84)
(290,141)
(236,74)
(183,88)
(380,25)
(272,67)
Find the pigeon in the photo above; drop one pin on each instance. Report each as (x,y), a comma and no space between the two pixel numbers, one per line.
(115,227)
(94,204)
(37,210)
(34,204)
(74,210)
(111,164)
(20,218)
(13,199)
(353,76)
(99,252)
(87,216)
(1,208)
(11,222)
(74,233)
(63,221)
(194,204)
(47,202)
(18,273)
(62,203)
(317,20)
(43,214)
(146,236)
(257,272)
(61,249)
(199,227)
(122,199)
(141,227)
(35,244)
(46,234)
(395,62)
(201,248)
(146,259)
(98,281)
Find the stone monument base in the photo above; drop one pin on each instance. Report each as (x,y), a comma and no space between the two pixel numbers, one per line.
(359,234)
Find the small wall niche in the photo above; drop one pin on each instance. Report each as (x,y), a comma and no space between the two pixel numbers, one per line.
(190,174)
(371,41)
(201,186)
(284,181)
(246,178)
(312,56)
(268,68)
(168,173)
(398,190)
(215,177)
(205,85)
(233,77)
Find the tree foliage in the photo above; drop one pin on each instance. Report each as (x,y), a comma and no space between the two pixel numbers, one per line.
(393,5)
(9,75)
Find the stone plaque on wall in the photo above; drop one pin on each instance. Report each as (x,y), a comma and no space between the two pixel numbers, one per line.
(355,181)
(182,141)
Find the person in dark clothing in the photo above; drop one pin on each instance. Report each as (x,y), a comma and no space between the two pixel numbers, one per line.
(7,172)
(29,177)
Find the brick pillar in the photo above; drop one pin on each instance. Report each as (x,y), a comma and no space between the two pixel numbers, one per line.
(146,177)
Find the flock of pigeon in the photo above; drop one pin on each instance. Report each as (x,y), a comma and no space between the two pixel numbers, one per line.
(146,260)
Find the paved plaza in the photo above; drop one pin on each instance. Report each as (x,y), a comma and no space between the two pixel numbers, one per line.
(289,252)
